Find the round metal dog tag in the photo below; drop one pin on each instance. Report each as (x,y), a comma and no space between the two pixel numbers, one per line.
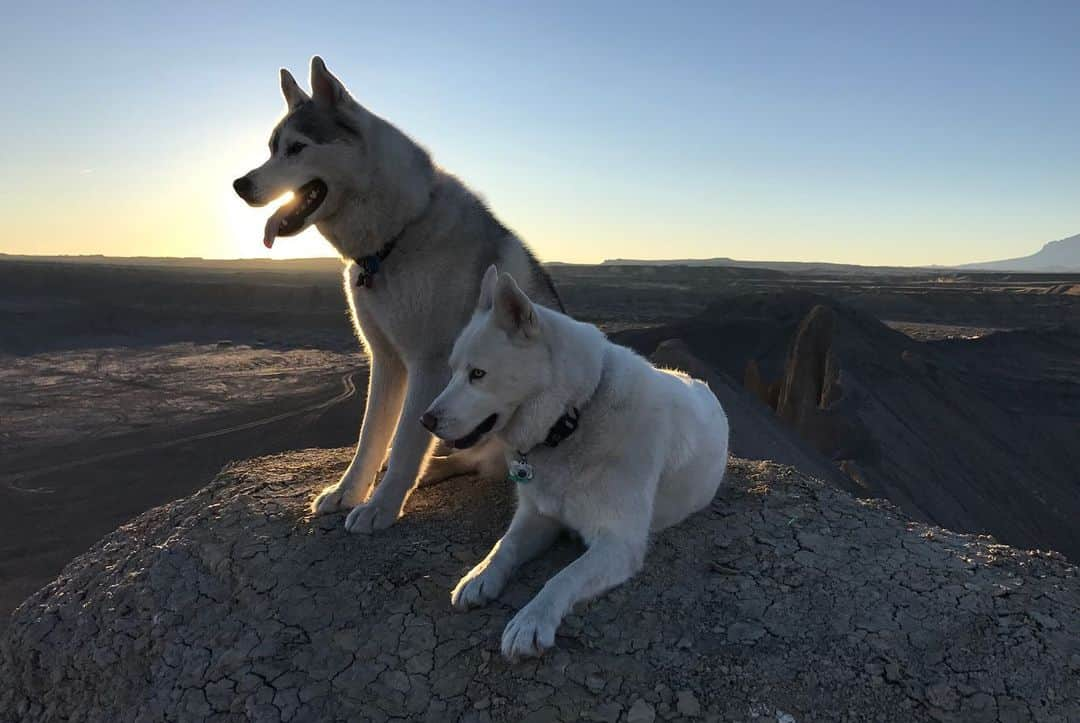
(520,471)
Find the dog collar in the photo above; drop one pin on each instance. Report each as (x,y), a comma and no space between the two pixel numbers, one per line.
(519,469)
(564,426)
(369,265)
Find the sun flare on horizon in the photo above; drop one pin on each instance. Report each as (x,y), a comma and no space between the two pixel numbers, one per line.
(648,134)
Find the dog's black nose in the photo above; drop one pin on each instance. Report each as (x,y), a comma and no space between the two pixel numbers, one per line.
(243,187)
(430,421)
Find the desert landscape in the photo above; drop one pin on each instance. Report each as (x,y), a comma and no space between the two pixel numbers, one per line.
(948,401)
(125,384)
(855,222)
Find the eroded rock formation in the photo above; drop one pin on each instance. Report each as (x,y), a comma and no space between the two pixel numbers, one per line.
(975,435)
(786,598)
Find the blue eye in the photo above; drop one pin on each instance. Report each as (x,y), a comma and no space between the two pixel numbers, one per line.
(295,148)
(476,374)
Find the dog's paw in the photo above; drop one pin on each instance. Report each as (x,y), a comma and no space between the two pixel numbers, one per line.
(528,634)
(482,585)
(370,516)
(330,500)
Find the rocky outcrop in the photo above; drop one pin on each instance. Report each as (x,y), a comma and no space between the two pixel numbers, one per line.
(976,435)
(808,387)
(768,394)
(804,379)
(754,431)
(786,600)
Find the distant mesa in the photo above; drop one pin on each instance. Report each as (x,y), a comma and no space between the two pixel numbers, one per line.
(1056,256)
(1061,256)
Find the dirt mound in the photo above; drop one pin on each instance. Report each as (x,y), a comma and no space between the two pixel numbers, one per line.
(786,598)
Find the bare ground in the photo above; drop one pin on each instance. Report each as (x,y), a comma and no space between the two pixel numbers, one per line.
(786,598)
(93,437)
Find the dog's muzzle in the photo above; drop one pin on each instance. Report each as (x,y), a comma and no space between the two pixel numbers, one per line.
(244,188)
(474,436)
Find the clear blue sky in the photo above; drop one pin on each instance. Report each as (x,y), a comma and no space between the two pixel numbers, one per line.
(901,132)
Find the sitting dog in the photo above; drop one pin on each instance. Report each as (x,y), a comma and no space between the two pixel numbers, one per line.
(597,440)
(415,241)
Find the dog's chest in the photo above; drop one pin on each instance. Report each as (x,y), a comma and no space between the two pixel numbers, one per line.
(406,308)
(560,490)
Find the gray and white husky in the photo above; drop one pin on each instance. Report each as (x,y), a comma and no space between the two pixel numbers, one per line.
(416,243)
(598,441)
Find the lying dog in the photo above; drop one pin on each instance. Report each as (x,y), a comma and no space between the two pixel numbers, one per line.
(598,441)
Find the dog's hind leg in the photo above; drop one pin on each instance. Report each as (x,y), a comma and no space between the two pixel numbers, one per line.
(485,459)
(386,387)
(411,443)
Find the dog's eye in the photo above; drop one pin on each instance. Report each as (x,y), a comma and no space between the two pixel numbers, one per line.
(476,374)
(295,148)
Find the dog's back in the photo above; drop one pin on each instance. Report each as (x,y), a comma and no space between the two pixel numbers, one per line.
(683,421)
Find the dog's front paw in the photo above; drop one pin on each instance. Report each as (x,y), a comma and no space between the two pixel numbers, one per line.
(482,585)
(529,633)
(330,500)
(370,516)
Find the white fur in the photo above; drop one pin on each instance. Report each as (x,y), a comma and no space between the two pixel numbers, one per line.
(651,449)
(381,184)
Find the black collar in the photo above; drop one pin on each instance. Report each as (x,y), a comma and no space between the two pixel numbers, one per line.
(369,265)
(519,470)
(567,424)
(564,426)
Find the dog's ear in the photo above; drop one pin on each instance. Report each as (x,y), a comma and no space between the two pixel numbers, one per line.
(487,288)
(325,88)
(514,312)
(294,94)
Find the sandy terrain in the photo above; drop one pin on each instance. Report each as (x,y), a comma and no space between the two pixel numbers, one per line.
(929,331)
(93,436)
(75,396)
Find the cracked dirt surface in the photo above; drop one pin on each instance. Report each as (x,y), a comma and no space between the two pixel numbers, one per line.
(787,600)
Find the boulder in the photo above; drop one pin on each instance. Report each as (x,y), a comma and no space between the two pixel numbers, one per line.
(786,600)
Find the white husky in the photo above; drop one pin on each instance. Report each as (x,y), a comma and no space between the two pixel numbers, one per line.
(416,243)
(597,439)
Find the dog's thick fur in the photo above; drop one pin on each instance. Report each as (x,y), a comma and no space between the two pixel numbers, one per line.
(380,185)
(650,449)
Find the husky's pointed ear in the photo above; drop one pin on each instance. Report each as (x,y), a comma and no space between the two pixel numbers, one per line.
(487,288)
(513,309)
(325,88)
(294,94)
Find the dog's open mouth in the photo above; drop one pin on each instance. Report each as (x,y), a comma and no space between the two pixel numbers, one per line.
(291,218)
(474,436)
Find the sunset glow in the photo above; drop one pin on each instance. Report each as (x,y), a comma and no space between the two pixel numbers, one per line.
(935,135)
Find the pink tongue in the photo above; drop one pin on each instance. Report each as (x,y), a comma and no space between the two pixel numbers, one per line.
(272,225)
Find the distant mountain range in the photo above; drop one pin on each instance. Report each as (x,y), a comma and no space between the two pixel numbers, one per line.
(1054,257)
(1061,255)
(797,267)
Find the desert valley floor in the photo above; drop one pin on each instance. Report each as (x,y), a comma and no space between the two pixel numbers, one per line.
(124,385)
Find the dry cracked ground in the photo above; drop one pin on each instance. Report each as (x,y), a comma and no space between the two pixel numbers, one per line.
(787,600)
